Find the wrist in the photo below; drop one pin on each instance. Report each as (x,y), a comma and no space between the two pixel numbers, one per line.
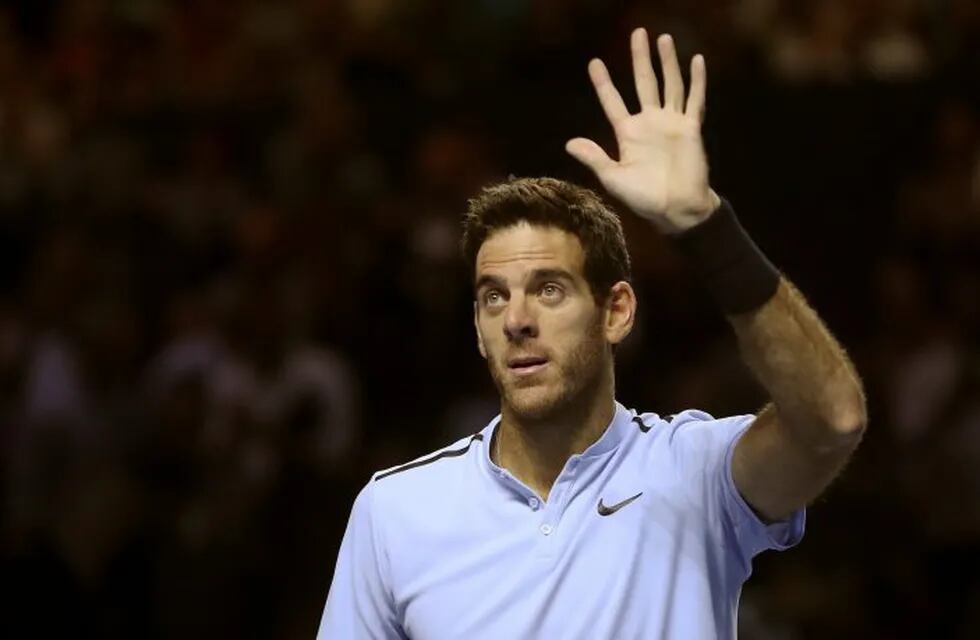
(732,267)
(675,222)
(714,203)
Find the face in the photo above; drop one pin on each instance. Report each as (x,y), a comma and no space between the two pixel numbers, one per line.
(546,341)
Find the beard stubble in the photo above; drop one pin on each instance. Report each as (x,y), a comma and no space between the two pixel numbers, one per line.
(579,377)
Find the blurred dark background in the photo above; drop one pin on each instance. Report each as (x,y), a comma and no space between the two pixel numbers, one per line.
(230,287)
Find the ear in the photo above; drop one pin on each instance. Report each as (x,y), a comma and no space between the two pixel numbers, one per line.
(620,312)
(479,336)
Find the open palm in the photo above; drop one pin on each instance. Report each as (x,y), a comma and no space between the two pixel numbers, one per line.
(662,171)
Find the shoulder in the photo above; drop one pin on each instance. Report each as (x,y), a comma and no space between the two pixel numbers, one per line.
(429,474)
(695,422)
(683,423)
(425,499)
(692,435)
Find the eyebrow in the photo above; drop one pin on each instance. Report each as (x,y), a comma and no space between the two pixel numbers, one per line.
(487,280)
(536,275)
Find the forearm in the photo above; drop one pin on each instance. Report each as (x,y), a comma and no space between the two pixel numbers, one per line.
(815,391)
(813,385)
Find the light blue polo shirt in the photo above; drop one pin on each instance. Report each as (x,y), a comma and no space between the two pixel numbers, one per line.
(452,546)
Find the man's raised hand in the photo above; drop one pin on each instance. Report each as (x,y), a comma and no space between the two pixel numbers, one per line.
(662,172)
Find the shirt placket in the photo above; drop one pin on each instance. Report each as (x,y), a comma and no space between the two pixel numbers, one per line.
(549,528)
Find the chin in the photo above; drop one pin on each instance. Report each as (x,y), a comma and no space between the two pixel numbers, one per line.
(563,388)
(537,403)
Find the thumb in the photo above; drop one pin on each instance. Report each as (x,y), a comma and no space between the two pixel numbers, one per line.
(589,153)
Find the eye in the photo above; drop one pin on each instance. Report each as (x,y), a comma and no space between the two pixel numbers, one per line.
(492,298)
(552,292)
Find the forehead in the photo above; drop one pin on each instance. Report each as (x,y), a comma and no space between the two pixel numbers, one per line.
(526,246)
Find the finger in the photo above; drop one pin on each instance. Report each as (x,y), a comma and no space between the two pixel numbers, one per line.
(695,99)
(673,84)
(643,73)
(590,154)
(609,98)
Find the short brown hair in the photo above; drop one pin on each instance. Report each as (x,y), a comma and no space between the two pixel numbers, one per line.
(552,203)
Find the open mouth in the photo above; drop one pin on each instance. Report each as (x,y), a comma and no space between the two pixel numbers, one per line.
(527,365)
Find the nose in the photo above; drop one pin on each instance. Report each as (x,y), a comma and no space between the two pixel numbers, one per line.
(519,323)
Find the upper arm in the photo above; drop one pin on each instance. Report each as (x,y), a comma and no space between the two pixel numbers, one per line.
(360,602)
(777,473)
(703,452)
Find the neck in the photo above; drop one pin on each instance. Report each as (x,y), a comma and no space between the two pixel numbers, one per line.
(535,451)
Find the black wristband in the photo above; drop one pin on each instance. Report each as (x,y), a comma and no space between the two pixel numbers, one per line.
(734,270)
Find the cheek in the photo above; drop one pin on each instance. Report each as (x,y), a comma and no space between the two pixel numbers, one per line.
(569,335)
(490,335)
(583,322)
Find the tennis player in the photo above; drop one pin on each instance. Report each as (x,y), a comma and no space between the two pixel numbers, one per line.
(569,515)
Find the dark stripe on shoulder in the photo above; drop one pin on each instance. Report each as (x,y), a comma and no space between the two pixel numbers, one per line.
(639,422)
(420,463)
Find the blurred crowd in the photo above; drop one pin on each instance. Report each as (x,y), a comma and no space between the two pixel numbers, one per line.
(230,287)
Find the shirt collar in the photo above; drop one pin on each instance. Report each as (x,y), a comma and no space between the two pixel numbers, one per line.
(615,432)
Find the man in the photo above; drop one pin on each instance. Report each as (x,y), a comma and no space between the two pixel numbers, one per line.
(569,516)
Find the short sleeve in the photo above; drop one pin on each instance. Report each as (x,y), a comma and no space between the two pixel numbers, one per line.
(708,446)
(360,604)
(754,535)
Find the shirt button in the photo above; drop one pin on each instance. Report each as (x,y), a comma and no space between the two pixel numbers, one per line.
(533,502)
(546,529)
